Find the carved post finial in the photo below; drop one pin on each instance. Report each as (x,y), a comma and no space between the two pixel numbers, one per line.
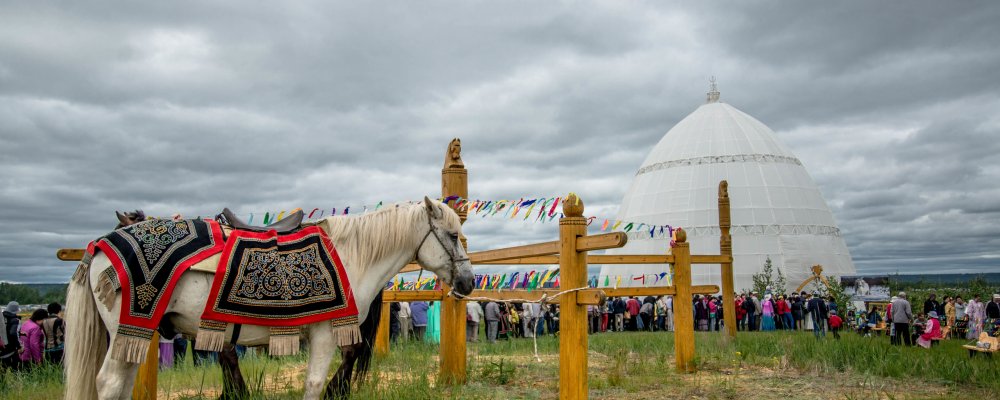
(453,157)
(572,206)
(723,190)
(680,236)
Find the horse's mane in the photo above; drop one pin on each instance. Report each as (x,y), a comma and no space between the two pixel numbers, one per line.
(365,239)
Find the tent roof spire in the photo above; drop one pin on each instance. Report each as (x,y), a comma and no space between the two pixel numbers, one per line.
(713,91)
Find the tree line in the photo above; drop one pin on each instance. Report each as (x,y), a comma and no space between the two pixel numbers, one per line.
(32,294)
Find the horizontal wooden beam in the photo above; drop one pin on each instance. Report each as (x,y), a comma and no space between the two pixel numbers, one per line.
(389,296)
(657,290)
(531,250)
(411,267)
(608,259)
(611,240)
(591,259)
(631,259)
(711,259)
(70,254)
(540,260)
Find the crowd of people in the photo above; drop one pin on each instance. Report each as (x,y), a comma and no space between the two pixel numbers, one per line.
(798,311)
(960,319)
(37,339)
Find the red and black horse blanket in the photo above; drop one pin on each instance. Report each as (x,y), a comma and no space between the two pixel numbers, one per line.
(280,281)
(147,259)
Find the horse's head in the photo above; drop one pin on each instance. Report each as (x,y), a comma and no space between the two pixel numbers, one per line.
(441,252)
(129,218)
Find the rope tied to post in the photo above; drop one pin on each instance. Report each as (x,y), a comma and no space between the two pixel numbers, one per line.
(542,301)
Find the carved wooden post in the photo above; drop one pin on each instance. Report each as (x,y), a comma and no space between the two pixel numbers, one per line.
(573,316)
(683,313)
(454,182)
(145,380)
(726,249)
(382,336)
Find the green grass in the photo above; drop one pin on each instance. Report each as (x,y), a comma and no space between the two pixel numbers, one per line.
(632,365)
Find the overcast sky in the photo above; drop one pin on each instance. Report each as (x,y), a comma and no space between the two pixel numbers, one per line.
(191,107)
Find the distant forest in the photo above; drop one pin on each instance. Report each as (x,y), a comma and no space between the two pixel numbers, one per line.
(32,293)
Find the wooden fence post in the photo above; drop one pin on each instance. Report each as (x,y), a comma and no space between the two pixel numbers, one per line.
(382,335)
(683,313)
(726,249)
(145,380)
(454,182)
(572,316)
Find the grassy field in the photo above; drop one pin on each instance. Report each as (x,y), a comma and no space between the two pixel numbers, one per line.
(622,366)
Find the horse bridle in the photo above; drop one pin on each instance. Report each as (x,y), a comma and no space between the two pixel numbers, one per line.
(451,255)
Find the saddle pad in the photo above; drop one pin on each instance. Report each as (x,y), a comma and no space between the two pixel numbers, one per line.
(268,279)
(148,258)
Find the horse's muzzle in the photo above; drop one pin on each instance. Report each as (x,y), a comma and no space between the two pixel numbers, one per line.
(464,283)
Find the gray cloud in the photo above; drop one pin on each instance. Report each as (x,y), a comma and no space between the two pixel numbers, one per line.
(193,107)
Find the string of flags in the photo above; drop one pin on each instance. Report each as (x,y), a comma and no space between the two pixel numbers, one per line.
(531,280)
(540,209)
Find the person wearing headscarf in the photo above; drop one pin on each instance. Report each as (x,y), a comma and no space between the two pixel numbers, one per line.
(767,320)
(701,313)
(12,326)
(932,330)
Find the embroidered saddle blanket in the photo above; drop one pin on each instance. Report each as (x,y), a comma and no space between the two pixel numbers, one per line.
(147,259)
(281,281)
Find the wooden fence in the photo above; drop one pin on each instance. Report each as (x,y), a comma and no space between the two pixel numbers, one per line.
(570,253)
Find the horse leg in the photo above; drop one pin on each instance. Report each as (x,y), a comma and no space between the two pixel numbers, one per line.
(340,386)
(115,379)
(321,347)
(233,385)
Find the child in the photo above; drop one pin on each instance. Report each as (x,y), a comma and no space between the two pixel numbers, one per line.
(835,323)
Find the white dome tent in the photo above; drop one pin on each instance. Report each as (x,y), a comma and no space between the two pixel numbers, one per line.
(777,210)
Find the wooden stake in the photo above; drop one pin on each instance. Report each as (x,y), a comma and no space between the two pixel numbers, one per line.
(382,336)
(683,313)
(454,182)
(572,316)
(145,379)
(726,248)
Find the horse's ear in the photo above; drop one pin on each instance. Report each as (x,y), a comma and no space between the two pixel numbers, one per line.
(122,218)
(432,209)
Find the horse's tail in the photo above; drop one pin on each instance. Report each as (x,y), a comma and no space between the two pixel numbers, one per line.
(86,342)
(369,328)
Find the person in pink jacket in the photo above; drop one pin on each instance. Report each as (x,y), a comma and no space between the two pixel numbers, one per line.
(32,337)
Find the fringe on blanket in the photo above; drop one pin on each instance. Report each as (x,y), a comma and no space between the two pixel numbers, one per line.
(211,335)
(346,333)
(131,344)
(284,340)
(83,269)
(107,286)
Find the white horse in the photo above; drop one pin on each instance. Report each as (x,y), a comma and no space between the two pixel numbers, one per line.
(374,247)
